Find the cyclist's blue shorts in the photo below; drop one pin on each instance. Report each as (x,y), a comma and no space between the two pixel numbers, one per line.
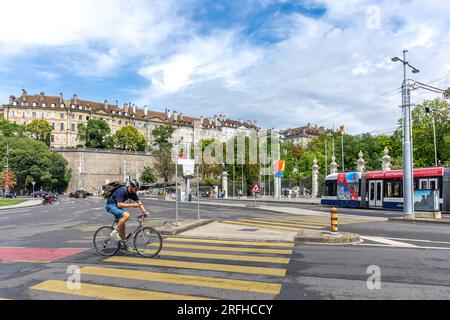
(115,210)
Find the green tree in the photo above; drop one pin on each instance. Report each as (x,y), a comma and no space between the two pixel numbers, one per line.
(129,138)
(40,130)
(95,134)
(162,136)
(10,129)
(148,176)
(423,140)
(164,165)
(31,160)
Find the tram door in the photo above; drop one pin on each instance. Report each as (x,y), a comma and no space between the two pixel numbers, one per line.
(376,193)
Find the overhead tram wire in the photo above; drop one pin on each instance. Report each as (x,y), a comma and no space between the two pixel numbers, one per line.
(382,97)
(373,100)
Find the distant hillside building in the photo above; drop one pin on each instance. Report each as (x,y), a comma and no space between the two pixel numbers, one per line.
(303,135)
(64,115)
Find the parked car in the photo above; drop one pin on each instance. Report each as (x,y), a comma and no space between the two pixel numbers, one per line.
(10,195)
(78,194)
(89,194)
(40,194)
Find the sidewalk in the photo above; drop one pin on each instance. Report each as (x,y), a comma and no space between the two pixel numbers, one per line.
(26,204)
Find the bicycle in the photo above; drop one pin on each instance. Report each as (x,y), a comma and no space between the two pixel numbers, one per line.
(147,241)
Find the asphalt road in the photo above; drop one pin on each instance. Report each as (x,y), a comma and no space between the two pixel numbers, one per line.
(38,244)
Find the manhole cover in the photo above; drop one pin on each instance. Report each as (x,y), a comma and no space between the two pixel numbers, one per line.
(249,230)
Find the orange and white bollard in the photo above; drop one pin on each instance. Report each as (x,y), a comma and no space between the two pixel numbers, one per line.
(334,221)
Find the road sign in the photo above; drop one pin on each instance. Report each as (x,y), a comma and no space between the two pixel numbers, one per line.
(256,189)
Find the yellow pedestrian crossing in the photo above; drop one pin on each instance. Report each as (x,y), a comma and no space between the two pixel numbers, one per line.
(232,257)
(200,266)
(294,223)
(231,249)
(109,292)
(220,283)
(231,242)
(223,257)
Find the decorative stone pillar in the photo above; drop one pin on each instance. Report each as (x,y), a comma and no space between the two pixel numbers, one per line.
(333,165)
(360,163)
(386,160)
(225,184)
(315,178)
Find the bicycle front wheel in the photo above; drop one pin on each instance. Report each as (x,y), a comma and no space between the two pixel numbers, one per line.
(104,244)
(147,242)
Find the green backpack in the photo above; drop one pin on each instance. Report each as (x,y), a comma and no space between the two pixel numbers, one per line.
(111,187)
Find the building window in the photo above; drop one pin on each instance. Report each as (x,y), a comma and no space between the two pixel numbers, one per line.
(87,118)
(33,114)
(62,106)
(34,104)
(73,127)
(72,116)
(53,105)
(120,122)
(80,117)
(53,125)
(61,126)
(61,115)
(44,105)
(14,103)
(52,138)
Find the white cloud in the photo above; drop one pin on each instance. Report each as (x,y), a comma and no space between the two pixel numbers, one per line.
(324,70)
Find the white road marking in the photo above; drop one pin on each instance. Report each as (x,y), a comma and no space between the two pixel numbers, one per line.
(388,242)
(419,240)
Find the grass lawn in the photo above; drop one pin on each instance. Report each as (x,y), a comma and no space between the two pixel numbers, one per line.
(10,202)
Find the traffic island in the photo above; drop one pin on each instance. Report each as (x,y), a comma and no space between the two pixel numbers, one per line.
(172,227)
(420,220)
(325,237)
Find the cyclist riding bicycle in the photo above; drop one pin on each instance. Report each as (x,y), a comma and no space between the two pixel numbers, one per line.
(116,206)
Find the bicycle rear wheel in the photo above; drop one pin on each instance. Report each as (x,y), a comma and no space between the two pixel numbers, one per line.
(147,242)
(103,243)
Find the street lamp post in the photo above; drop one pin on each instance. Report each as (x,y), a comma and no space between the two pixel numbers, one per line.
(33,183)
(408,182)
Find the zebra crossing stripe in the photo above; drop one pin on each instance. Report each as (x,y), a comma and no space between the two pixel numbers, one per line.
(218,256)
(200,266)
(210,282)
(231,242)
(109,292)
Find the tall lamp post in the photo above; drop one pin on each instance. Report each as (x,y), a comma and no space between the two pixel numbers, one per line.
(408,180)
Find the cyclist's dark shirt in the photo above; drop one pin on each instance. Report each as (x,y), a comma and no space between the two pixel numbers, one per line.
(122,195)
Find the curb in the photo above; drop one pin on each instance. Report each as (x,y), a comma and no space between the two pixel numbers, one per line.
(20,206)
(429,221)
(186,228)
(327,238)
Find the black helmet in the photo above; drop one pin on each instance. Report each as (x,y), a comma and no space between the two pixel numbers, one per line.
(134,183)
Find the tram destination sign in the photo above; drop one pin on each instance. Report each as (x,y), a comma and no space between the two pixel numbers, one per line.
(393,174)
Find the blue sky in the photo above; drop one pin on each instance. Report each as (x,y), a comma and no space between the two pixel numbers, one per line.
(282,63)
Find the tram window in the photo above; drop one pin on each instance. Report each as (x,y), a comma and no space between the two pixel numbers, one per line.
(433,184)
(423,184)
(393,189)
(372,191)
(330,188)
